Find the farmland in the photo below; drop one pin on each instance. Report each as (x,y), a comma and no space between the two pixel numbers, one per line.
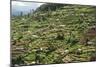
(53,34)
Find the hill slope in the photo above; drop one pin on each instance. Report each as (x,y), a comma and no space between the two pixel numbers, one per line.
(54,33)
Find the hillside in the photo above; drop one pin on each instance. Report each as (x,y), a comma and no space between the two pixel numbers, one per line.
(54,33)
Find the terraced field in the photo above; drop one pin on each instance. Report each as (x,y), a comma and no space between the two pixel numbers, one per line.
(54,33)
